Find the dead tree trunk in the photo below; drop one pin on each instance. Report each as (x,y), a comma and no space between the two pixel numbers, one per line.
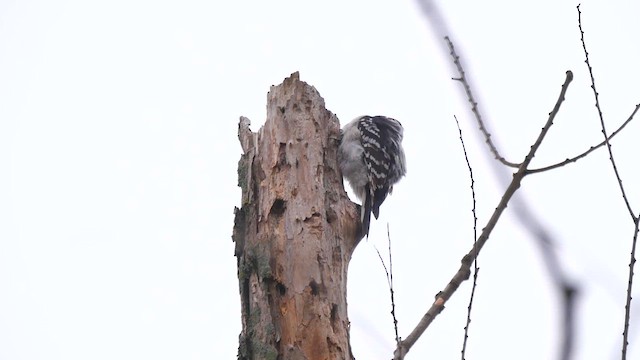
(295,231)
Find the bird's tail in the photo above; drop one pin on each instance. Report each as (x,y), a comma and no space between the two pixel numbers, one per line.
(365,214)
(377,198)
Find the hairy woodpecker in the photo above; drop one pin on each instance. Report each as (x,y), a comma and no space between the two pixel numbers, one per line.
(371,158)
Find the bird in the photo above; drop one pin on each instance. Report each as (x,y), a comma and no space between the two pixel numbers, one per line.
(371,158)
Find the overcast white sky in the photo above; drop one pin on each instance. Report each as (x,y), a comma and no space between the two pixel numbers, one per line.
(118,156)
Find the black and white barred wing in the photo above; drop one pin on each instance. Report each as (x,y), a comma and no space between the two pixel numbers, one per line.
(383,155)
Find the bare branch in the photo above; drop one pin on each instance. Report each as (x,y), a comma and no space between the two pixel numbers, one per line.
(476,269)
(604,130)
(576,158)
(625,333)
(389,273)
(474,105)
(393,301)
(627,306)
(566,290)
(464,272)
(636,219)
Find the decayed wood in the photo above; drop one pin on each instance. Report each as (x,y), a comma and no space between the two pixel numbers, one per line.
(295,232)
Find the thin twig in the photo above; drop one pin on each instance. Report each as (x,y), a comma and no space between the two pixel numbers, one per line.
(636,219)
(627,306)
(393,301)
(476,269)
(576,158)
(474,105)
(604,130)
(389,273)
(464,272)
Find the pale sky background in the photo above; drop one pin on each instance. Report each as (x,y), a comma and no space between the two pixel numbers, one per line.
(118,156)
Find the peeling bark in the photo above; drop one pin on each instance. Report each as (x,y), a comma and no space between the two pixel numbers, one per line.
(295,232)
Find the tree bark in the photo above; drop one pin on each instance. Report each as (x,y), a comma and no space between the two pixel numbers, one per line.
(295,232)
